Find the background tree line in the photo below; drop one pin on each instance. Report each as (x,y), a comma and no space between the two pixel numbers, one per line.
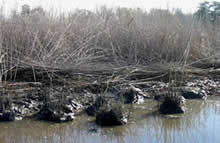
(209,12)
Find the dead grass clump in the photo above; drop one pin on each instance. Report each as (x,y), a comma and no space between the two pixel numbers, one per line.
(100,103)
(172,103)
(111,117)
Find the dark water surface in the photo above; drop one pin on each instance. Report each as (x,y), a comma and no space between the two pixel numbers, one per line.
(200,124)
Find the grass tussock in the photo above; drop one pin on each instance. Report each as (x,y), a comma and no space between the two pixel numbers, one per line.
(172,103)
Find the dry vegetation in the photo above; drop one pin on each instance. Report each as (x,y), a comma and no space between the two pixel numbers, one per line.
(94,51)
(120,37)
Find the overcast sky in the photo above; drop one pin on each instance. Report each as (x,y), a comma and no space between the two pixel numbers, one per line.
(68,5)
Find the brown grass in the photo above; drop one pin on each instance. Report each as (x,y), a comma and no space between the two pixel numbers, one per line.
(115,36)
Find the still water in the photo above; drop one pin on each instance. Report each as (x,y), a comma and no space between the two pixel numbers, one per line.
(200,124)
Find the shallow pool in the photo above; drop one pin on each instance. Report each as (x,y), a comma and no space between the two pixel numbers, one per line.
(200,124)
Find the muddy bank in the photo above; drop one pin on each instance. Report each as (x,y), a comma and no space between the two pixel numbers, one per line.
(61,104)
(68,94)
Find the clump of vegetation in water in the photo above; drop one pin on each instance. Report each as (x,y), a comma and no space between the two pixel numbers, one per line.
(6,113)
(99,104)
(132,95)
(172,103)
(5,103)
(56,112)
(59,109)
(111,117)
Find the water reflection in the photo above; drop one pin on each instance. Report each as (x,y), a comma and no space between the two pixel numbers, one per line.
(194,126)
(199,124)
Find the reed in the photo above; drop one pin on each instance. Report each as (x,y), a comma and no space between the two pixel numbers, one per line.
(119,36)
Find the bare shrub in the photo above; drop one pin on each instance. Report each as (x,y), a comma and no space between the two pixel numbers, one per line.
(118,36)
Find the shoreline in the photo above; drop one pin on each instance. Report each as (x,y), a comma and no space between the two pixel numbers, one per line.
(26,99)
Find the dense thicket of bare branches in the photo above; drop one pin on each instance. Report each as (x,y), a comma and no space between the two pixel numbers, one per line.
(118,36)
